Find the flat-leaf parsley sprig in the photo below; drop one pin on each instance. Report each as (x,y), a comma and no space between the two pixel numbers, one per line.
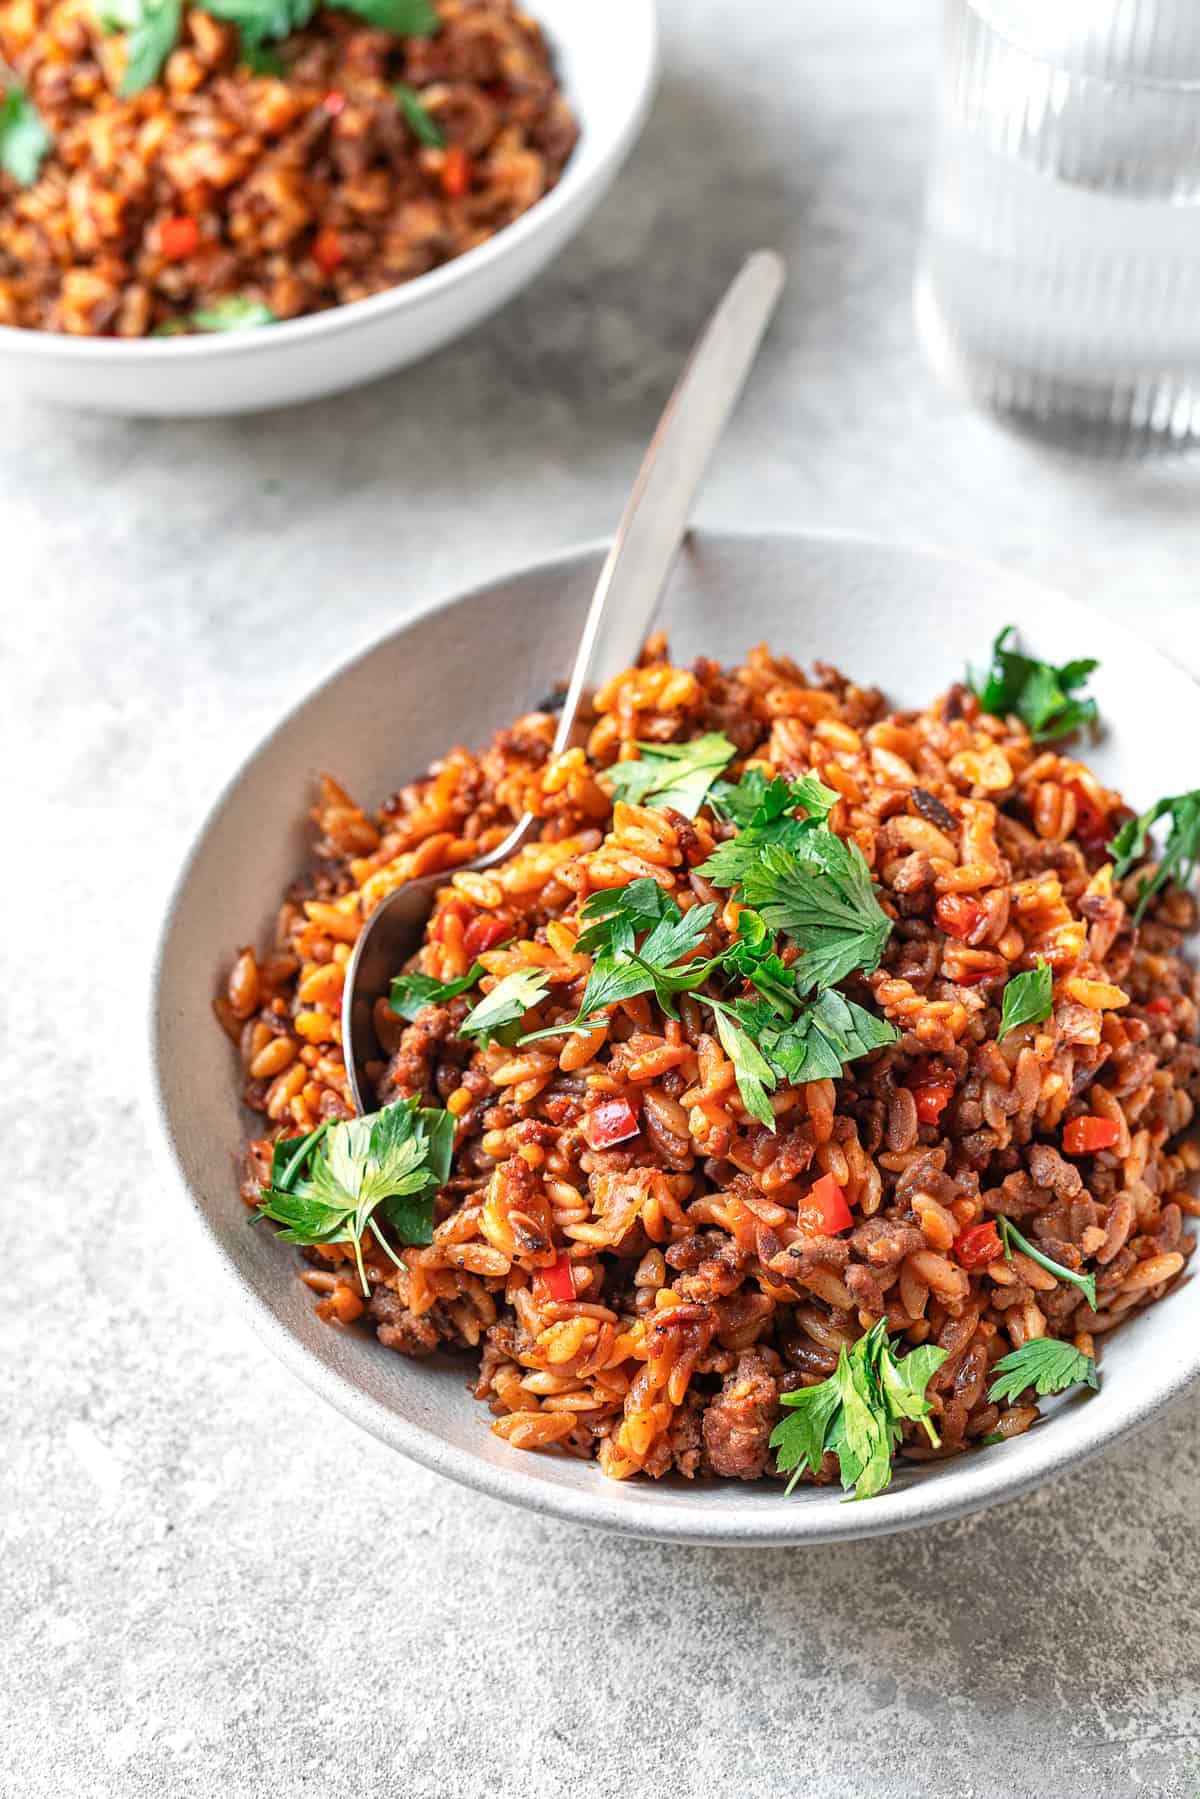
(1046,1364)
(672,774)
(24,140)
(1010,1235)
(1028,998)
(1044,698)
(1132,844)
(858,1414)
(340,1179)
(153,28)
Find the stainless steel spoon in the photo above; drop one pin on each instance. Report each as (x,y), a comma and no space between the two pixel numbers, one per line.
(618,621)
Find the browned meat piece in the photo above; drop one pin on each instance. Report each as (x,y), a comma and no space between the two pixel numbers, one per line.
(398,1328)
(411,1069)
(1050,1170)
(885,1241)
(741,1418)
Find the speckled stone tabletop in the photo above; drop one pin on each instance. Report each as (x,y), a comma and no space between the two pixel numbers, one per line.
(212,1586)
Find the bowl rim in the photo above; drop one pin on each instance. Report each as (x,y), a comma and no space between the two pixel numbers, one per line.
(966,1485)
(578,181)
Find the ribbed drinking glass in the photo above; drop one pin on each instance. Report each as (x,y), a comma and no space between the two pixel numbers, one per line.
(1059,280)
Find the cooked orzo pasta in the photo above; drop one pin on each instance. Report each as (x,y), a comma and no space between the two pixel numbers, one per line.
(165,171)
(806,1094)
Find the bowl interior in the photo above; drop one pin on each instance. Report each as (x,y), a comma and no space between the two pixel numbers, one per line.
(904,619)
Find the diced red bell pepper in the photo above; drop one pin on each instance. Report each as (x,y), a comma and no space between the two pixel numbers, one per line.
(932,1100)
(958,915)
(1162,1005)
(979,1245)
(456,173)
(484,933)
(178,238)
(971,977)
(823,1210)
(333,102)
(329,252)
(1092,826)
(614,1121)
(555,1285)
(1084,1136)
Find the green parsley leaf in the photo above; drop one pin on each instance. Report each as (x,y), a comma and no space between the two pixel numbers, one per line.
(1177,863)
(290,1154)
(755,1077)
(664,964)
(233,313)
(260,60)
(412,991)
(499,1012)
(1045,1364)
(24,140)
(151,38)
(421,121)
(614,916)
(858,1413)
(340,1179)
(752,956)
(405,18)
(265,21)
(829,1032)
(1010,1235)
(770,821)
(673,774)
(1043,697)
(754,801)
(1028,998)
(820,892)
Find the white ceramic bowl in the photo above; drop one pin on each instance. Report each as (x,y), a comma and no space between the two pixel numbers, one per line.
(905,619)
(607,58)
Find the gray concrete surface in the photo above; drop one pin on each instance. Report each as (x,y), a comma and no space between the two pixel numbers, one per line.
(211,1586)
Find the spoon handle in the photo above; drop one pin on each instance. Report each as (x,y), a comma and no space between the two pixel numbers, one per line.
(659,509)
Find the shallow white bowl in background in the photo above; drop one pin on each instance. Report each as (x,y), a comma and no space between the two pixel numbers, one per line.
(905,619)
(607,59)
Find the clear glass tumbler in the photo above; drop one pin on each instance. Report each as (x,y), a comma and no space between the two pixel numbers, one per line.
(1059,280)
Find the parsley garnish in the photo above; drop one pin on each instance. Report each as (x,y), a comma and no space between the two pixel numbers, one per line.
(1179,857)
(858,1413)
(754,1075)
(412,991)
(233,313)
(828,1032)
(153,32)
(664,964)
(1010,1235)
(24,140)
(1043,697)
(763,812)
(153,27)
(495,1018)
(819,890)
(775,1035)
(421,121)
(1045,1364)
(673,774)
(331,1185)
(1028,998)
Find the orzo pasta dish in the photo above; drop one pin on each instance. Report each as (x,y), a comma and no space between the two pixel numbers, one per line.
(165,170)
(814,1090)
